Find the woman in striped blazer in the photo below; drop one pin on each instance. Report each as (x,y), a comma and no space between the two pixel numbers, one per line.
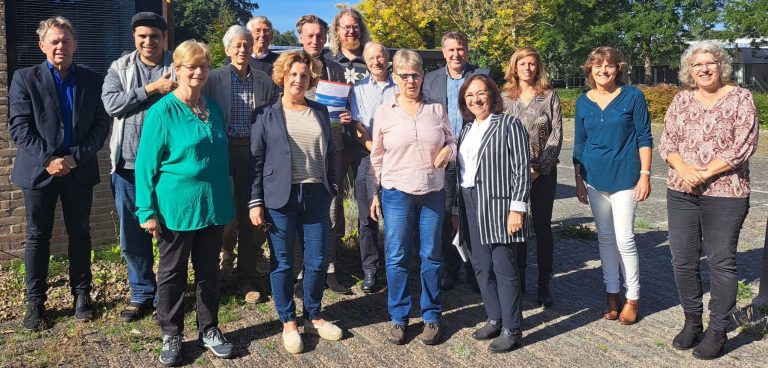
(494,178)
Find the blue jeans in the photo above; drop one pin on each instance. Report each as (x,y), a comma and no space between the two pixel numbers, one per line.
(402,211)
(135,243)
(307,212)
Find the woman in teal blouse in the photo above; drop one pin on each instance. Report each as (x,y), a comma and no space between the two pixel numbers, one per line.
(184,199)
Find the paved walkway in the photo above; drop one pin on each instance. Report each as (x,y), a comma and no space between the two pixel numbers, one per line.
(570,334)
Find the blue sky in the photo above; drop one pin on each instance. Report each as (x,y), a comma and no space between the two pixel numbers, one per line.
(285,13)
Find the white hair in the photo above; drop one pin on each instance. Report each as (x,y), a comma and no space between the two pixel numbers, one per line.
(256,20)
(236,31)
(710,47)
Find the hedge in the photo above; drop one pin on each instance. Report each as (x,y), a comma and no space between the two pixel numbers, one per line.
(658,97)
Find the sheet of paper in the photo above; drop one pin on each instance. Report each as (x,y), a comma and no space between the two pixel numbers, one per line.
(461,247)
(334,96)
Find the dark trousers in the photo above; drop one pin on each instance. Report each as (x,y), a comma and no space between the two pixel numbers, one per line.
(495,269)
(368,229)
(175,249)
(542,200)
(39,206)
(240,231)
(711,224)
(451,259)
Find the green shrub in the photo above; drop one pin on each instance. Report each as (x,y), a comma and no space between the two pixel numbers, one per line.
(659,97)
(761,103)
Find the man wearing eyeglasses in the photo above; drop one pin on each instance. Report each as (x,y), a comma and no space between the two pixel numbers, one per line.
(442,86)
(261,30)
(134,82)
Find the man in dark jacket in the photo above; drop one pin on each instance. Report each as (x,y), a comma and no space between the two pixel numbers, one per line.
(442,86)
(59,124)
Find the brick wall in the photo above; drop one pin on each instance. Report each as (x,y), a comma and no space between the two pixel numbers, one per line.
(104,229)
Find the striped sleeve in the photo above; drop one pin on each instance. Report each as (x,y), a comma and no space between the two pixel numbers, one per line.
(517,146)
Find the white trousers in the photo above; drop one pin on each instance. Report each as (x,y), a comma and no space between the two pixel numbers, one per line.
(614,214)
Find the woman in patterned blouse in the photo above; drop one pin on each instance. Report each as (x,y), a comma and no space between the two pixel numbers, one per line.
(709,134)
(529,97)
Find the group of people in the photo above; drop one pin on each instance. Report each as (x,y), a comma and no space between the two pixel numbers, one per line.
(212,163)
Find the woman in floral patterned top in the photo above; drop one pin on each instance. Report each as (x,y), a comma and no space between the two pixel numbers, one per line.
(710,132)
(529,97)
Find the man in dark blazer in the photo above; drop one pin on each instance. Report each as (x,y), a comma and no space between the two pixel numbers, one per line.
(442,86)
(59,124)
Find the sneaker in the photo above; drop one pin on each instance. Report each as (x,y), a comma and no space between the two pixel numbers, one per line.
(216,342)
(34,320)
(292,342)
(252,296)
(135,311)
(327,330)
(170,355)
(397,334)
(431,333)
(84,310)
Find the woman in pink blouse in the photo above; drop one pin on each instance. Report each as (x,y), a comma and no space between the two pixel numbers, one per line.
(710,132)
(412,144)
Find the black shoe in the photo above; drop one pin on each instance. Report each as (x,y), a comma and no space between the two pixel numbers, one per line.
(711,345)
(448,281)
(34,320)
(544,299)
(369,282)
(397,334)
(507,341)
(170,355)
(333,283)
(135,311)
(215,341)
(84,310)
(489,330)
(691,334)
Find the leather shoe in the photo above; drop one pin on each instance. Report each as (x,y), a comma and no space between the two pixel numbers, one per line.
(613,307)
(333,283)
(508,340)
(691,333)
(369,282)
(448,281)
(34,320)
(628,314)
(489,330)
(711,345)
(84,310)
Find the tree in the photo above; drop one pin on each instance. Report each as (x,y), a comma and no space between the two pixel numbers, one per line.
(215,35)
(287,38)
(412,24)
(194,17)
(746,19)
(656,29)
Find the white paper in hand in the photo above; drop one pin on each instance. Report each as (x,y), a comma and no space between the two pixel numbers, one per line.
(461,247)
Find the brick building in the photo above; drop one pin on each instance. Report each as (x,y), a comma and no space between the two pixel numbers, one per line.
(103,29)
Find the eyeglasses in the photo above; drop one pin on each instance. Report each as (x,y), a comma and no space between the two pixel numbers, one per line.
(479,95)
(203,68)
(350,29)
(707,65)
(261,31)
(406,76)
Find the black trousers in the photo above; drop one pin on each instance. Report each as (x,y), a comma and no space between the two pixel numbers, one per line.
(368,229)
(495,268)
(40,206)
(542,200)
(451,259)
(175,249)
(711,224)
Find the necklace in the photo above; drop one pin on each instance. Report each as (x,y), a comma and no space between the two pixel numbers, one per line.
(197,108)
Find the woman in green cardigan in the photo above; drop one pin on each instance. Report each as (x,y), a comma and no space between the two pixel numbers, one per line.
(184,199)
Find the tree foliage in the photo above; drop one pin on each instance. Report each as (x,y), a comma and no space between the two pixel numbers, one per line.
(412,24)
(193,18)
(214,37)
(287,38)
(747,19)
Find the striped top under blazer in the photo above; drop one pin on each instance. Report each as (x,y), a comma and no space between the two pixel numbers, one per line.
(503,175)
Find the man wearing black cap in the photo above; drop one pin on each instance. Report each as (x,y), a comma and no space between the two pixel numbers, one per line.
(133,83)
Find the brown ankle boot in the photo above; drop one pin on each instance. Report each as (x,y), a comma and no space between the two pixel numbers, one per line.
(613,307)
(628,314)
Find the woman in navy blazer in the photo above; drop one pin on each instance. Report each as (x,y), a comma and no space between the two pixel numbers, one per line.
(293,183)
(493,167)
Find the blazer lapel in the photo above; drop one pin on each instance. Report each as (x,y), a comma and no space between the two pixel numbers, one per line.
(494,123)
(79,95)
(49,86)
